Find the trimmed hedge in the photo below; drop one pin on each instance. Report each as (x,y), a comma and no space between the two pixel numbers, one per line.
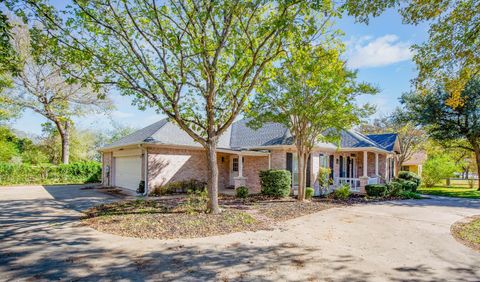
(275,182)
(410,176)
(80,172)
(376,190)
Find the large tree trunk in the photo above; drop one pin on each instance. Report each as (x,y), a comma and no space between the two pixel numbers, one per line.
(302,157)
(301,176)
(64,131)
(212,177)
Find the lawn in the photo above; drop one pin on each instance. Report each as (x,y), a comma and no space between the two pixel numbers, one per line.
(458,192)
(468,232)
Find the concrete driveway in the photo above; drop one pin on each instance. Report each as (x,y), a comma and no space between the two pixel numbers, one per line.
(41,239)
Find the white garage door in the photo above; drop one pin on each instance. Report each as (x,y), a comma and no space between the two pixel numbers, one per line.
(128,172)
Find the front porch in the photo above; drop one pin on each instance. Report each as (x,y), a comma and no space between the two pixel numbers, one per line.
(362,167)
(241,168)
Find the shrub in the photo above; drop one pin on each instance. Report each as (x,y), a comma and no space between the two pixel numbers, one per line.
(323,178)
(410,176)
(394,188)
(81,172)
(309,193)
(376,190)
(342,193)
(241,192)
(275,182)
(409,186)
(178,187)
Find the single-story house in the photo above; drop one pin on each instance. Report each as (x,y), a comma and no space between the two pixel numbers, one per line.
(161,153)
(415,163)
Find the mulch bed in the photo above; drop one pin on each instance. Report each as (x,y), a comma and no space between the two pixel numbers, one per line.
(467,232)
(167,218)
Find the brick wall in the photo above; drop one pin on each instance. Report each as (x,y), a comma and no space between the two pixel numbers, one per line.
(107,161)
(251,168)
(278,159)
(168,164)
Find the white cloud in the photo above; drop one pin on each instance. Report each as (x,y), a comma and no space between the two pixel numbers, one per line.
(367,52)
(120,114)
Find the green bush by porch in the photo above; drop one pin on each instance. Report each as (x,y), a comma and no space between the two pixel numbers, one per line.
(376,190)
(275,182)
(80,172)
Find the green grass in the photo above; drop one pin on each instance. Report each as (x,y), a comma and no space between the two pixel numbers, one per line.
(457,192)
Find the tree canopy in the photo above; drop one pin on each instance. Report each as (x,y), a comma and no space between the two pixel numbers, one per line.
(451,55)
(459,125)
(195,61)
(411,137)
(313,94)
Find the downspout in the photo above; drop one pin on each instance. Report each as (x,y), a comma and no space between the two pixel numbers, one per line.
(145,166)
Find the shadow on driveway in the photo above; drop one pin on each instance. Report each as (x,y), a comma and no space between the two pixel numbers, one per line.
(42,240)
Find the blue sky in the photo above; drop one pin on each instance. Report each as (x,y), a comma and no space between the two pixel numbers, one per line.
(380,52)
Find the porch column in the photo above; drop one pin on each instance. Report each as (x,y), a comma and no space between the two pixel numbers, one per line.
(376,164)
(365,164)
(240,166)
(386,167)
(240,180)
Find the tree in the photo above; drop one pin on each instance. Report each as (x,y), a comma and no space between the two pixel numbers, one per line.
(451,53)
(8,66)
(195,61)
(312,94)
(437,168)
(411,137)
(43,88)
(8,57)
(459,125)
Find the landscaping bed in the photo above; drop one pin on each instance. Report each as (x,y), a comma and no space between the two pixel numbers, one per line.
(182,216)
(174,217)
(467,231)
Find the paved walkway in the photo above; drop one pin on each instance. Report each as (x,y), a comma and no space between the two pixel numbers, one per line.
(41,239)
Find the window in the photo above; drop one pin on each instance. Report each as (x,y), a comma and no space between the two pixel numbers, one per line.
(235,165)
(323,160)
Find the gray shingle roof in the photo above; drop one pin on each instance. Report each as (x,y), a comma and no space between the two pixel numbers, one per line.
(269,134)
(240,136)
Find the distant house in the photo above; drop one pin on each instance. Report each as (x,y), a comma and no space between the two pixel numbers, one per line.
(415,163)
(161,153)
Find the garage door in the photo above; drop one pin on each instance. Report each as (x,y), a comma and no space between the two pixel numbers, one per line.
(128,172)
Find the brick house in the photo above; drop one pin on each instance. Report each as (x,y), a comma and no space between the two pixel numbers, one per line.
(162,153)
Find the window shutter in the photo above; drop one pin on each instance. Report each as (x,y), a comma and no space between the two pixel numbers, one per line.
(290,164)
(331,166)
